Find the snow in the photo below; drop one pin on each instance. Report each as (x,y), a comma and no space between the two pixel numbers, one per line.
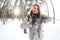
(12,31)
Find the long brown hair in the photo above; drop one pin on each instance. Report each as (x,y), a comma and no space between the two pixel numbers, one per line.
(39,13)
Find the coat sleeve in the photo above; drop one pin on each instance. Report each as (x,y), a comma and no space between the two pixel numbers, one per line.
(24,23)
(46,19)
(25,19)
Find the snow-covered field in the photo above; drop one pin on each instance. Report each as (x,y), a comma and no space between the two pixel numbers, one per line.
(12,31)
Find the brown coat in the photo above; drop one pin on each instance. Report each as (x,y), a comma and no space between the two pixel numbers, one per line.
(25,25)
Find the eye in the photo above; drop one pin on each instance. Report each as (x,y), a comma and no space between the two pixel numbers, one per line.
(36,8)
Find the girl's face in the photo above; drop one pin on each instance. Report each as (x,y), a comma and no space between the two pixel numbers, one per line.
(35,9)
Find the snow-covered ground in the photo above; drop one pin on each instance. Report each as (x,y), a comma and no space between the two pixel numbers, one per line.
(12,31)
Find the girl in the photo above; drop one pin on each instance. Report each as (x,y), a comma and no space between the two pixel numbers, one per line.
(35,22)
